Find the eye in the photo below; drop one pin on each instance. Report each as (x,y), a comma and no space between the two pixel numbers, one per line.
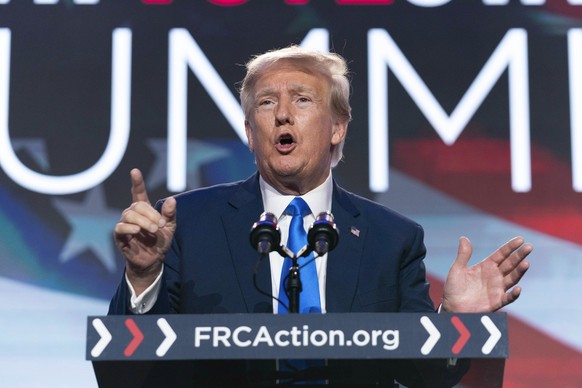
(303,99)
(265,102)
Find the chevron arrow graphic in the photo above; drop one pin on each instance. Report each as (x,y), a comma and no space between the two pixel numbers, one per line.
(434,335)
(494,335)
(169,340)
(137,337)
(103,341)
(463,337)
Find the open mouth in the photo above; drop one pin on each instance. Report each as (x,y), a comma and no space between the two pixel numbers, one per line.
(286,140)
(286,143)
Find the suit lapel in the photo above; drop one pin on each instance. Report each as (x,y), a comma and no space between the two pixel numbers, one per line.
(246,205)
(344,261)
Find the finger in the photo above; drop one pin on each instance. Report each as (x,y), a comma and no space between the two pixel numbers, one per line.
(123,229)
(515,276)
(464,252)
(515,259)
(143,215)
(138,187)
(511,296)
(504,251)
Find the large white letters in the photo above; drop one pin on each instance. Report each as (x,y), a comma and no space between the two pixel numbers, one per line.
(184,54)
(384,56)
(118,137)
(429,3)
(511,53)
(505,2)
(575,77)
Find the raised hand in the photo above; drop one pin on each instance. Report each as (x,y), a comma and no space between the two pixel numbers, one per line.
(144,235)
(488,285)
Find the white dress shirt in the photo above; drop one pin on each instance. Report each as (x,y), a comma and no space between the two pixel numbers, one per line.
(318,199)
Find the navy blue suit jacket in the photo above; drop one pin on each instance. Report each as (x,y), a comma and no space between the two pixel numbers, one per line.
(377,265)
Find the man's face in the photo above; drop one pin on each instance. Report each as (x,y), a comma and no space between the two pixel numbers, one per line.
(291,128)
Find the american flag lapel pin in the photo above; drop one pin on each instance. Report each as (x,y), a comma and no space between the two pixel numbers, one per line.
(355,231)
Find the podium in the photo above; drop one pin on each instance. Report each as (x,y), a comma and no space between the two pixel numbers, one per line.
(242,349)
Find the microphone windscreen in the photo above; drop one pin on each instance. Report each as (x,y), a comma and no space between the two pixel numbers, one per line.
(265,235)
(323,235)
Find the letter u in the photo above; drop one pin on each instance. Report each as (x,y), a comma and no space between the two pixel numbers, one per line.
(119,131)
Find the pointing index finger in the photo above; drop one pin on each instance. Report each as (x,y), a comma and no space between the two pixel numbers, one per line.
(138,188)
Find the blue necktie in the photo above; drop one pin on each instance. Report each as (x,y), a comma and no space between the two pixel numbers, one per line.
(309,301)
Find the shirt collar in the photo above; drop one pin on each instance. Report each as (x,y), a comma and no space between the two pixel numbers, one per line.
(318,199)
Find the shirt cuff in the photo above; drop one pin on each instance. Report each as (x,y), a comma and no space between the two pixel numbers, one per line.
(145,301)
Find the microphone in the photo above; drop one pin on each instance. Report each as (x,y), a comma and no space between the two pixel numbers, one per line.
(323,234)
(265,235)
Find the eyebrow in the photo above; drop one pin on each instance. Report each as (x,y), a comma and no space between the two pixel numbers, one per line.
(294,88)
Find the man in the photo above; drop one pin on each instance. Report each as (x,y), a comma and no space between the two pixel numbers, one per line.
(192,255)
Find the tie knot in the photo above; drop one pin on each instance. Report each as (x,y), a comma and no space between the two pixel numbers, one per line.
(298,207)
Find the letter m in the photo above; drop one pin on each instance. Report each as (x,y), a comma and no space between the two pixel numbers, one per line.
(511,53)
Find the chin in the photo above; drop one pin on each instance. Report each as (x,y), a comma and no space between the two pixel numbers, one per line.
(286,170)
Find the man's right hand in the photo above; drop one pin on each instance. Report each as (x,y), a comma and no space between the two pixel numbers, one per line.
(144,235)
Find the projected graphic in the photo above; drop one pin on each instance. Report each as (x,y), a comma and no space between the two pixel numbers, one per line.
(467,117)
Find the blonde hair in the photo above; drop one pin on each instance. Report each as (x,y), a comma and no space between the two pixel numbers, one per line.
(330,65)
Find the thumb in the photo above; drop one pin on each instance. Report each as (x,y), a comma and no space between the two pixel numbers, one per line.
(169,210)
(463,253)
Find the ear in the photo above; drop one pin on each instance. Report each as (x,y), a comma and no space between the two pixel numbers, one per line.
(249,132)
(339,131)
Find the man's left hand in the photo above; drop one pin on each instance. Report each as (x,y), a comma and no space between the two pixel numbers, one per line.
(489,285)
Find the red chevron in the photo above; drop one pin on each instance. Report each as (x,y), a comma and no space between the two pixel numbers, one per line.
(463,338)
(137,337)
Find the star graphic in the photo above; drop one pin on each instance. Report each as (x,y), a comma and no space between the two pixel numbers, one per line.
(92,225)
(36,148)
(198,153)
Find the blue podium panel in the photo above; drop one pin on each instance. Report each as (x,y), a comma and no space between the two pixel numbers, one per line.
(317,336)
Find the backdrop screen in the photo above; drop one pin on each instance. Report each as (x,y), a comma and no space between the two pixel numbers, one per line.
(467,117)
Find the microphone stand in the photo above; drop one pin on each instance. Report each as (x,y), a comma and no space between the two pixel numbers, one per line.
(294,287)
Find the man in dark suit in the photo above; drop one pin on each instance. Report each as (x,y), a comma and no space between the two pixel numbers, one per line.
(190,254)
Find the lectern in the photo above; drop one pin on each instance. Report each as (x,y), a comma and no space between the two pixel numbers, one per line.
(243,349)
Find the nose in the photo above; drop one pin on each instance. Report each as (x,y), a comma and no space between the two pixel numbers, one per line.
(283,114)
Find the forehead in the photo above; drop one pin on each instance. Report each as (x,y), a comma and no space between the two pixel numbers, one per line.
(291,76)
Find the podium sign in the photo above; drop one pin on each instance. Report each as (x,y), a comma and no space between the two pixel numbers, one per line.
(318,336)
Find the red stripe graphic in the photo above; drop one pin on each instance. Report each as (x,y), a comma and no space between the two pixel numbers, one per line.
(452,170)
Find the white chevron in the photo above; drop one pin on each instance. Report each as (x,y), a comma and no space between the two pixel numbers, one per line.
(103,341)
(169,340)
(434,335)
(494,336)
